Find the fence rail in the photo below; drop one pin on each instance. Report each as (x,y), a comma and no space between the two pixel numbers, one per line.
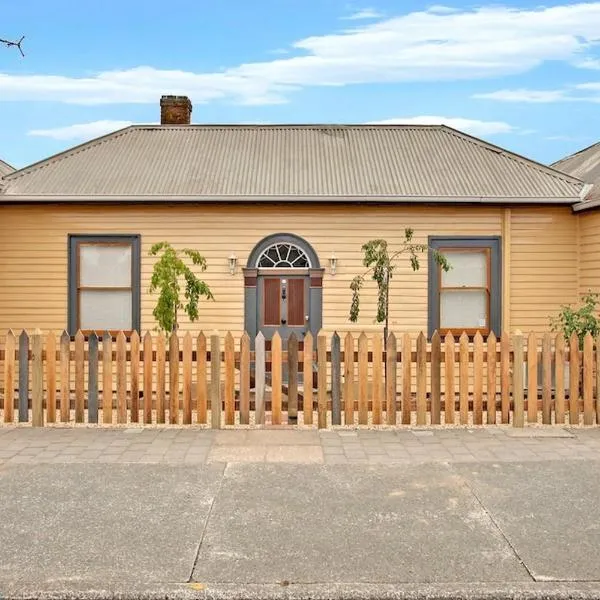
(333,380)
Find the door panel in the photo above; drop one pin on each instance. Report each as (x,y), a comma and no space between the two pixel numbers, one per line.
(271,309)
(295,303)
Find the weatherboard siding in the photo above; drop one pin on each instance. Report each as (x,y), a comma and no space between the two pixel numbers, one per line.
(589,251)
(33,247)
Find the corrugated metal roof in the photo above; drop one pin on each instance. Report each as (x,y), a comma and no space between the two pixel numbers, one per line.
(291,162)
(5,168)
(584,165)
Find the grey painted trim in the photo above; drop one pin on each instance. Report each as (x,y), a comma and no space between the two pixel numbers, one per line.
(136,299)
(282,238)
(433,291)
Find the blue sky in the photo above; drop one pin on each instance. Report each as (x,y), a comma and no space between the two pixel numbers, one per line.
(521,75)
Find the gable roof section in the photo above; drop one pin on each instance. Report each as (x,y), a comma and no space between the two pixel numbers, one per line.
(584,165)
(5,168)
(290,162)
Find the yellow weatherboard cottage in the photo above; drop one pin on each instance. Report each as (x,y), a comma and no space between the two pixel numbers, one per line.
(280,213)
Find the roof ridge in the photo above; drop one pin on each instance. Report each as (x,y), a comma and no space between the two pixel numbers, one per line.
(74,150)
(514,156)
(574,154)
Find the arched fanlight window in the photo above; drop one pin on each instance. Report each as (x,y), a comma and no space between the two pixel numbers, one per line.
(283,255)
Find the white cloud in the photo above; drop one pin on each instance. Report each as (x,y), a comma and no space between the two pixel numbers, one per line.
(524,95)
(437,44)
(81,131)
(365,13)
(589,63)
(473,126)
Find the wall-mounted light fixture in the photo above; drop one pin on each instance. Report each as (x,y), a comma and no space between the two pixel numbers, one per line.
(333,263)
(232,262)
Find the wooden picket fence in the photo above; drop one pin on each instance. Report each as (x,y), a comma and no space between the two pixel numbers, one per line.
(355,381)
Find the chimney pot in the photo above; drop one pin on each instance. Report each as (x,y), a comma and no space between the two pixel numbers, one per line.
(175,110)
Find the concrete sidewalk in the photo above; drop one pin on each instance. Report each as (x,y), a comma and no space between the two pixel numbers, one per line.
(260,514)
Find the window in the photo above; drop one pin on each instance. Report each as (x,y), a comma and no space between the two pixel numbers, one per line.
(104,283)
(283,255)
(468,297)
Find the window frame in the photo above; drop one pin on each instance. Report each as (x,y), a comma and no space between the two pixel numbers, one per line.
(493,246)
(75,241)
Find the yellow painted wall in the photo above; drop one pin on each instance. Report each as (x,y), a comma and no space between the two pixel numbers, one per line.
(589,258)
(33,256)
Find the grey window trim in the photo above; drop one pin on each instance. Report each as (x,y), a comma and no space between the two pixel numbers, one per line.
(136,301)
(290,238)
(494,243)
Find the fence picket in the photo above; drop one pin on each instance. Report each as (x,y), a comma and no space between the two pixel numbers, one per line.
(322,381)
(559,380)
(276,352)
(391,383)
(505,377)
(292,366)
(363,379)
(463,378)
(121,378)
(37,379)
(377,378)
(336,380)
(421,379)
(245,379)
(161,376)
(307,400)
(349,379)
(259,373)
(518,382)
(51,377)
(201,379)
(449,383)
(187,379)
(9,376)
(135,377)
(436,375)
(547,379)
(491,379)
(532,376)
(148,377)
(23,377)
(215,381)
(597,398)
(588,379)
(229,379)
(93,378)
(477,379)
(173,379)
(107,379)
(65,377)
(406,379)
(80,376)
(574,374)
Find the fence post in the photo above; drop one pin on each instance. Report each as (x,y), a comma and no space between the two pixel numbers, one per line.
(174,379)
(377,378)
(161,377)
(135,377)
(491,379)
(259,372)
(9,377)
(463,376)
(107,379)
(215,381)
(322,380)
(245,380)
(37,379)
(93,378)
(276,351)
(23,377)
(65,377)
(349,379)
(406,379)
(450,385)
(201,374)
(532,389)
(229,379)
(505,376)
(559,383)
(477,379)
(598,380)
(391,384)
(79,377)
(518,382)
(148,377)
(51,377)
(292,364)
(363,379)
(421,379)
(588,379)
(436,383)
(547,379)
(336,380)
(307,401)
(574,372)
(187,379)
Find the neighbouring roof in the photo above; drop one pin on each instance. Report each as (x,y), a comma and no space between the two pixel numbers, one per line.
(290,162)
(5,168)
(584,165)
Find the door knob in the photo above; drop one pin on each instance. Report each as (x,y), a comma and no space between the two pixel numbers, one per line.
(283,321)
(306,317)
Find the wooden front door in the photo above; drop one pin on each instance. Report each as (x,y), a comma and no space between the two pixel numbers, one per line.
(283,306)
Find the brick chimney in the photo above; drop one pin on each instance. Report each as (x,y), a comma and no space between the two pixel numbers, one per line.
(175,110)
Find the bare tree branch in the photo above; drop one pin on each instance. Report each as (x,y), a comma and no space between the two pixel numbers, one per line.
(10,43)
